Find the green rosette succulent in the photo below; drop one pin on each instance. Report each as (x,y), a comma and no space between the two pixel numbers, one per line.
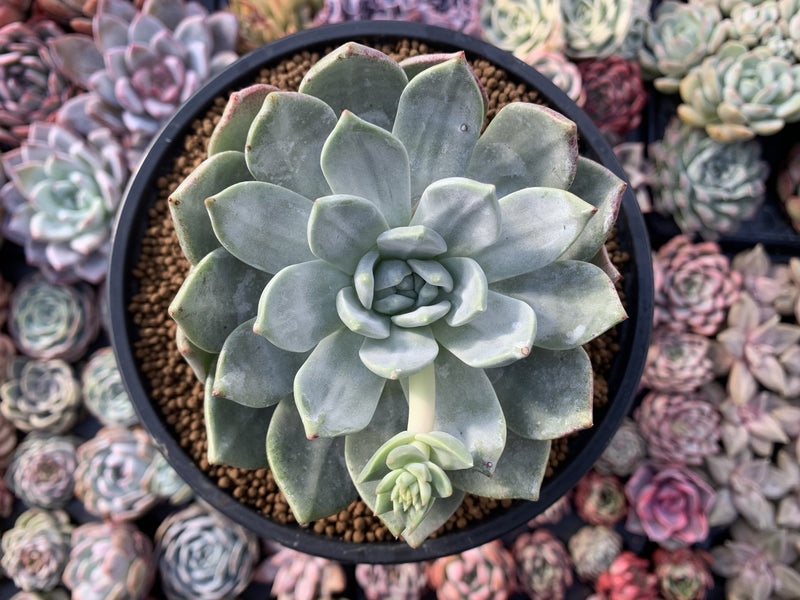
(679,38)
(521,26)
(377,286)
(596,28)
(739,93)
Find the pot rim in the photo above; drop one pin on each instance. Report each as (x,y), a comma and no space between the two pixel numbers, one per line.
(132,221)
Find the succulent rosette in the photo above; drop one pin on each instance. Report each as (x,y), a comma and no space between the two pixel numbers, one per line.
(405,581)
(36,548)
(544,569)
(694,286)
(760,25)
(707,186)
(669,504)
(677,362)
(103,391)
(115,472)
(33,87)
(141,65)
(628,576)
(14,10)
(48,321)
(41,395)
(560,70)
(683,574)
(486,571)
(624,452)
(600,499)
(110,560)
(678,38)
(41,473)
(593,548)
(204,554)
(8,440)
(521,26)
(596,28)
(294,575)
(423,255)
(739,93)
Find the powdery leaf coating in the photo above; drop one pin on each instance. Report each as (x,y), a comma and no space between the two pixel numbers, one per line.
(42,470)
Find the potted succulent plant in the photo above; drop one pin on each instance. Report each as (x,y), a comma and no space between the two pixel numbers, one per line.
(385,301)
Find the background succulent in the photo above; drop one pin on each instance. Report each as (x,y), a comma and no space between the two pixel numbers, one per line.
(40,395)
(142,65)
(677,362)
(14,10)
(55,594)
(404,581)
(593,548)
(788,186)
(739,93)
(683,574)
(627,577)
(167,484)
(600,499)
(759,423)
(522,26)
(460,15)
(485,571)
(678,38)
(203,553)
(261,21)
(103,391)
(707,186)
(114,474)
(624,452)
(638,170)
(41,473)
(377,292)
(294,575)
(110,560)
(596,28)
(560,70)
(8,440)
(759,25)
(33,87)
(544,569)
(36,548)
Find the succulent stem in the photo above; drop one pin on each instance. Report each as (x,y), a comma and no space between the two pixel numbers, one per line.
(421,400)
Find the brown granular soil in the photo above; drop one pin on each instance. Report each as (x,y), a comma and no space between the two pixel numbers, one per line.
(162,268)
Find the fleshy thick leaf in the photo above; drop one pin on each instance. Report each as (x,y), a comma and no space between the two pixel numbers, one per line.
(403,353)
(574,302)
(601,188)
(187,203)
(470,294)
(343,228)
(339,80)
(406,242)
(439,120)
(526,145)
(285,142)
(362,159)
(236,433)
(538,224)
(501,334)
(216,297)
(464,212)
(198,359)
(298,307)
(519,472)
(359,319)
(77,56)
(252,371)
(548,394)
(240,111)
(335,393)
(262,224)
(312,474)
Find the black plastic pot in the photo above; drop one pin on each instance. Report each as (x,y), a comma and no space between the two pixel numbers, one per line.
(622,380)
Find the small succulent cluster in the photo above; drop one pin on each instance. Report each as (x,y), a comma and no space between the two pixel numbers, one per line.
(486,571)
(104,394)
(404,581)
(544,568)
(42,469)
(293,575)
(262,21)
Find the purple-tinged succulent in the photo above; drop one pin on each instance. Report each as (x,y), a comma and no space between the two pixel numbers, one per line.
(627,578)
(683,574)
(66,182)
(6,500)
(758,278)
(593,548)
(615,94)
(142,65)
(787,301)
(31,86)
(544,569)
(746,487)
(294,575)
(486,571)
(758,423)
(788,186)
(52,321)
(41,473)
(600,499)
(404,581)
(110,560)
(679,427)
(522,26)
(756,565)
(553,513)
(14,10)
(35,550)
(707,186)
(115,472)
(73,14)
(759,351)
(103,391)
(560,70)
(638,170)
(41,395)
(694,286)
(677,362)
(669,504)
(8,440)
(201,553)
(6,290)
(624,452)
(7,353)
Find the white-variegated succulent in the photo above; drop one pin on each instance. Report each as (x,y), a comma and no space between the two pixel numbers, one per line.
(396,302)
